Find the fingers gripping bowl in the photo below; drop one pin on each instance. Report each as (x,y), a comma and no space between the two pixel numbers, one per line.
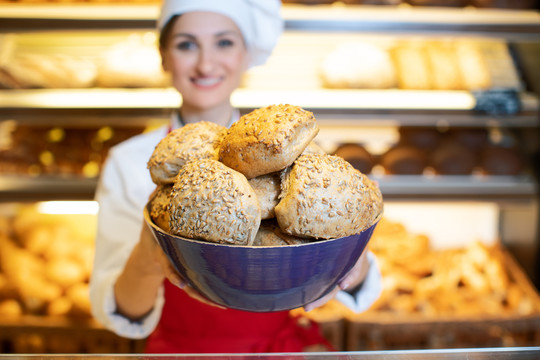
(259,247)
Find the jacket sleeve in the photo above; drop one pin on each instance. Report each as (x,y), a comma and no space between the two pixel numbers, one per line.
(367,293)
(121,197)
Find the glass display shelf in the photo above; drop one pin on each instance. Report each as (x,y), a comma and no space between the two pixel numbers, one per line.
(512,353)
(384,107)
(500,22)
(15,188)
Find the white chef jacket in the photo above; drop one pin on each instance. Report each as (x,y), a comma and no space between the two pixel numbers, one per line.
(122,193)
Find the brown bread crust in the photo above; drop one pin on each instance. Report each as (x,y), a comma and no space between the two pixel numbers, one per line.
(325,197)
(268,139)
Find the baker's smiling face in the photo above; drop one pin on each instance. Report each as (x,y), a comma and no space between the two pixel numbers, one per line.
(206,56)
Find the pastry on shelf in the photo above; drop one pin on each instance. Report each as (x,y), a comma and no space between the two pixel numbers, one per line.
(472,65)
(426,138)
(404,159)
(451,158)
(357,156)
(411,62)
(358,65)
(132,63)
(501,160)
(443,66)
(26,70)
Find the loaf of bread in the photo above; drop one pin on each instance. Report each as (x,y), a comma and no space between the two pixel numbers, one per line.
(48,71)
(359,65)
(198,140)
(268,139)
(412,66)
(443,64)
(324,197)
(131,63)
(212,202)
(472,65)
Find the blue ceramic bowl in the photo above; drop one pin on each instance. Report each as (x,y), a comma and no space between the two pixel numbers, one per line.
(262,279)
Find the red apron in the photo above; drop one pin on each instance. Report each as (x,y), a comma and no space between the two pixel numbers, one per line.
(189,326)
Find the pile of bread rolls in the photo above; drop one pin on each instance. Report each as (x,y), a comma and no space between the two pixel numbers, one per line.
(261,182)
(428,150)
(45,264)
(414,64)
(131,62)
(418,280)
(36,150)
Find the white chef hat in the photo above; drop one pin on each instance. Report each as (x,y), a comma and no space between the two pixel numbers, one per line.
(259,20)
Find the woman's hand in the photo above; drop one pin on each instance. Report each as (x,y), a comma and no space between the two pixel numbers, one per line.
(353,278)
(137,287)
(149,244)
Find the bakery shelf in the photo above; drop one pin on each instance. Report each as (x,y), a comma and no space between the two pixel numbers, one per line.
(60,334)
(380,107)
(359,18)
(458,186)
(20,188)
(35,17)
(407,19)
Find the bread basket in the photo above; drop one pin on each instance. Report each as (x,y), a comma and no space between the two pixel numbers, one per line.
(262,278)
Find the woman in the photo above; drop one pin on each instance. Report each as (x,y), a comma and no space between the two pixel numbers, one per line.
(206,45)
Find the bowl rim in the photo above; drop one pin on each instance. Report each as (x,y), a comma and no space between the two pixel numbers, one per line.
(150,222)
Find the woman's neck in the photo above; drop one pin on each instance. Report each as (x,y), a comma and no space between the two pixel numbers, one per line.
(220,115)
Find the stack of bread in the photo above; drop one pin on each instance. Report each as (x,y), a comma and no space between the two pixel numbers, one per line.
(466,282)
(413,64)
(131,62)
(34,150)
(45,264)
(472,280)
(263,182)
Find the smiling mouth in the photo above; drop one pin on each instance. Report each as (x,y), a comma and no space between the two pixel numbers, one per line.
(207,82)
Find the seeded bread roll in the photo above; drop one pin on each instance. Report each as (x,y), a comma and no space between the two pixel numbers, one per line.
(192,141)
(314,148)
(324,197)
(159,207)
(270,234)
(443,63)
(212,202)
(267,139)
(267,237)
(267,188)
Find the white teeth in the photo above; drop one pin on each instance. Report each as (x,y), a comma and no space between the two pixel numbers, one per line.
(207,81)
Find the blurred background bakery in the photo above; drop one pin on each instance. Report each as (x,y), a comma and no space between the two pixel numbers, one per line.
(435,100)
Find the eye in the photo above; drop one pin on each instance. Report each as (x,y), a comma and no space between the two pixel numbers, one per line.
(224,43)
(186,45)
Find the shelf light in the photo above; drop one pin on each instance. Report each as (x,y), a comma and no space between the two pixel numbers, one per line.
(358,99)
(68,207)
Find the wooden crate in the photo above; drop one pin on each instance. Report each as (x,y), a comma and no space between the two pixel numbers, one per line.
(50,335)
